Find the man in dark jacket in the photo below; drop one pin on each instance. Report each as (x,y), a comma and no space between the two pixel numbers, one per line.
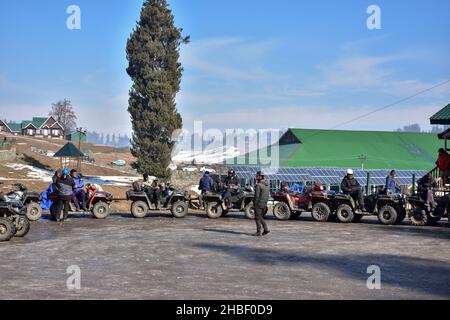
(262,193)
(205,185)
(425,187)
(231,185)
(65,187)
(352,187)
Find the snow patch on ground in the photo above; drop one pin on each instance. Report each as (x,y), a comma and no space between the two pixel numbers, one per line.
(35,173)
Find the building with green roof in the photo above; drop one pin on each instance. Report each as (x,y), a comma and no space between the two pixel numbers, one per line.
(37,127)
(316,148)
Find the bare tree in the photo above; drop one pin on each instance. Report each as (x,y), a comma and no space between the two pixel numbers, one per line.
(64,114)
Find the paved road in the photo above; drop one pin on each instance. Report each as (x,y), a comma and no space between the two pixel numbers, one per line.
(196,258)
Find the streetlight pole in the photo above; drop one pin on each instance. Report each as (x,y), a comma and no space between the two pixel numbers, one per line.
(80,132)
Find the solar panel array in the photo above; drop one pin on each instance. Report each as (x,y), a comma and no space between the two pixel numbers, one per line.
(326,176)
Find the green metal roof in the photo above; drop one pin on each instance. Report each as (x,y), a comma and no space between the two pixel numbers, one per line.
(14,126)
(68,151)
(38,122)
(351,149)
(442,117)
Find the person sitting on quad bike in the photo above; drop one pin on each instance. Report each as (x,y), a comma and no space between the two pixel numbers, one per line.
(205,185)
(153,190)
(231,184)
(351,186)
(443,164)
(392,186)
(79,195)
(425,187)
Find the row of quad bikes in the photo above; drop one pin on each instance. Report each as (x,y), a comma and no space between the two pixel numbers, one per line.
(18,207)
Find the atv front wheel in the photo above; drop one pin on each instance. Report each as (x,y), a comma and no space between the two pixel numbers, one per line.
(139,209)
(281,211)
(249,211)
(34,211)
(321,212)
(345,213)
(214,210)
(387,215)
(179,209)
(23,227)
(7,229)
(101,210)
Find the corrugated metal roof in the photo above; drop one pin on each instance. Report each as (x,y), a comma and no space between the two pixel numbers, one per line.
(353,149)
(442,117)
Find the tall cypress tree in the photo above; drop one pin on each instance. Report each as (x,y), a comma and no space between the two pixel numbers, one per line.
(153,55)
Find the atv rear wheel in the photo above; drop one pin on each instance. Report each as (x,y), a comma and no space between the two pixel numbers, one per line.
(281,211)
(34,211)
(179,209)
(101,210)
(139,209)
(23,227)
(321,212)
(387,215)
(418,217)
(345,213)
(249,211)
(214,210)
(7,229)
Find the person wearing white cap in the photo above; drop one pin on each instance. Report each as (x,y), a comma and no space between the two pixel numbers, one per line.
(352,187)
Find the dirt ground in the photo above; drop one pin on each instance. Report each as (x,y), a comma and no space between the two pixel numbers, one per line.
(160,257)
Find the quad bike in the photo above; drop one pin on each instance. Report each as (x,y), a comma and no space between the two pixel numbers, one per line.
(216,207)
(98,203)
(177,202)
(290,205)
(29,200)
(389,208)
(422,215)
(13,219)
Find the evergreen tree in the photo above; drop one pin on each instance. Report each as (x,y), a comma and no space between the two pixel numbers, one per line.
(153,54)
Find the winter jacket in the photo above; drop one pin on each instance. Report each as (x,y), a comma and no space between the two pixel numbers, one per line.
(65,186)
(392,185)
(206,184)
(297,187)
(443,161)
(79,184)
(262,193)
(231,181)
(349,185)
(426,182)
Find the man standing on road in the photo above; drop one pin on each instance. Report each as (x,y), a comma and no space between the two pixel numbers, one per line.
(262,192)
(65,187)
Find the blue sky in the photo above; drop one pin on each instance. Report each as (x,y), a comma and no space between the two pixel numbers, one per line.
(251,63)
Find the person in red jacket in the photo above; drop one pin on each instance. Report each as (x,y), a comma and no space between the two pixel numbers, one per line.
(443,164)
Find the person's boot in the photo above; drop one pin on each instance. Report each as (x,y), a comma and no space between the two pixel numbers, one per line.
(257,234)
(266,232)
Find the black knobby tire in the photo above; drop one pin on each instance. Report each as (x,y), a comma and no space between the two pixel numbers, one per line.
(179,209)
(387,215)
(33,211)
(23,227)
(418,217)
(7,229)
(281,211)
(101,210)
(249,211)
(321,212)
(214,210)
(139,209)
(345,213)
(401,215)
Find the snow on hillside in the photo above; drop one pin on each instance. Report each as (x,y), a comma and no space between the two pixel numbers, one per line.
(209,156)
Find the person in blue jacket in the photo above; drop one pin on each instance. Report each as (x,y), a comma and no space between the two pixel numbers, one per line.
(79,195)
(205,185)
(296,187)
(392,186)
